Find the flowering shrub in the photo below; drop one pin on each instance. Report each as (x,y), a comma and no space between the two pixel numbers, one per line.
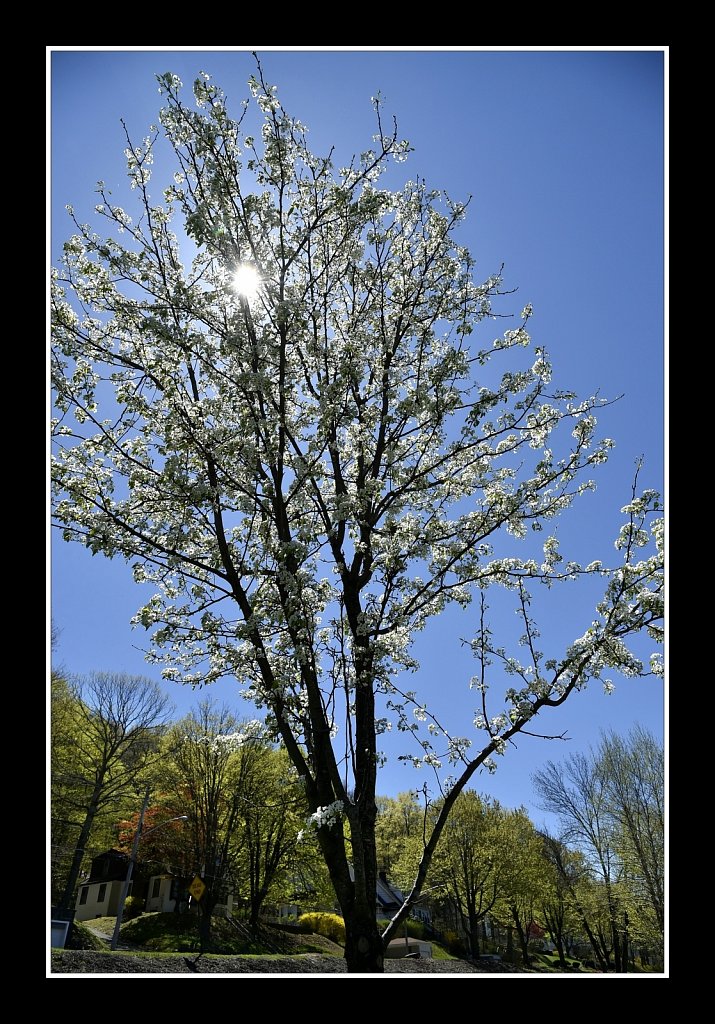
(329,925)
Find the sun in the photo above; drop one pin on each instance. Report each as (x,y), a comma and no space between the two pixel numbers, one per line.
(246,281)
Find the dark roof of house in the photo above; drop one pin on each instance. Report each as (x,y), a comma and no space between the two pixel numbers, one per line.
(110,866)
(388,896)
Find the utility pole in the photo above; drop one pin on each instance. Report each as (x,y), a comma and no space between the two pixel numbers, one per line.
(130,871)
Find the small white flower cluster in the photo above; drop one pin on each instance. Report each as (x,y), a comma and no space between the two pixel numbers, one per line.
(327,817)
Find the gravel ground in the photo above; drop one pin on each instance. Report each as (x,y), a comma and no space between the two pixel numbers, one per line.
(89,962)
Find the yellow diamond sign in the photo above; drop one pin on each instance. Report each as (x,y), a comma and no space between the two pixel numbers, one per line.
(197,888)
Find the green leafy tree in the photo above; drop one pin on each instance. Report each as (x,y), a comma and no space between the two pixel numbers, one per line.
(271,811)
(559,907)
(294,440)
(470,862)
(524,880)
(209,780)
(67,791)
(110,724)
(399,819)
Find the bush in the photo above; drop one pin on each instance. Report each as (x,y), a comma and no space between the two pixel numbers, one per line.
(453,943)
(415,929)
(133,907)
(329,925)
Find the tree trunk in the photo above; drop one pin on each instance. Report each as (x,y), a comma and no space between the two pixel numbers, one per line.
(601,956)
(473,937)
(364,952)
(257,899)
(509,955)
(67,901)
(617,959)
(357,895)
(523,939)
(206,907)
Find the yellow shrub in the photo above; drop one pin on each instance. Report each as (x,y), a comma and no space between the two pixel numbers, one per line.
(329,925)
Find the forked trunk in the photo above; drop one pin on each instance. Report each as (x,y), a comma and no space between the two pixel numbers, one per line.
(363,945)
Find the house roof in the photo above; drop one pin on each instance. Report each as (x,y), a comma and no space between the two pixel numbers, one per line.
(388,896)
(110,866)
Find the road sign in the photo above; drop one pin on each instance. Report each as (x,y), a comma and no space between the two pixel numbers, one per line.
(197,888)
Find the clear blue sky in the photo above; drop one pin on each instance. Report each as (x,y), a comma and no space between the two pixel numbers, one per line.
(563,155)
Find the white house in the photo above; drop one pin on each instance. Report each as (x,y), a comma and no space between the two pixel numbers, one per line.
(99,895)
(164,890)
(98,899)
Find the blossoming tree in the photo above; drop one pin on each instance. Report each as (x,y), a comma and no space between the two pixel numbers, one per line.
(293,439)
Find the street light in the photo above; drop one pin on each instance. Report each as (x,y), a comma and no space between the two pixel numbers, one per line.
(132,860)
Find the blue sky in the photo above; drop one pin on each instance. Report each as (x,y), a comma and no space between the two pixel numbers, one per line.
(562,153)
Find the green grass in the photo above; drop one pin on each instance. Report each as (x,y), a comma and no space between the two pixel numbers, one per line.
(80,937)
(178,933)
(440,953)
(105,925)
(552,961)
(172,934)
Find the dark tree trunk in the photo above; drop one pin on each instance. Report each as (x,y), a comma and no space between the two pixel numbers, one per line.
(617,959)
(523,939)
(509,955)
(473,937)
(257,900)
(596,945)
(206,909)
(68,896)
(364,952)
(357,891)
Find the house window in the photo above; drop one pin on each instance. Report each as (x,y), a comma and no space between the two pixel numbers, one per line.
(155,888)
(102,892)
(83,894)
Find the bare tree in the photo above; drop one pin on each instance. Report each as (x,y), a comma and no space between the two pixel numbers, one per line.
(634,776)
(115,721)
(610,804)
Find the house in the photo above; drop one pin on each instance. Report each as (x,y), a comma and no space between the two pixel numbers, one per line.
(162,894)
(390,899)
(98,896)
(164,890)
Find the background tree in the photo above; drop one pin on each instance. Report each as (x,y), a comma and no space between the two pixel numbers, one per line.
(211,782)
(306,458)
(399,819)
(633,771)
(272,810)
(168,848)
(67,791)
(524,881)
(558,904)
(114,721)
(470,862)
(610,804)
(576,792)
